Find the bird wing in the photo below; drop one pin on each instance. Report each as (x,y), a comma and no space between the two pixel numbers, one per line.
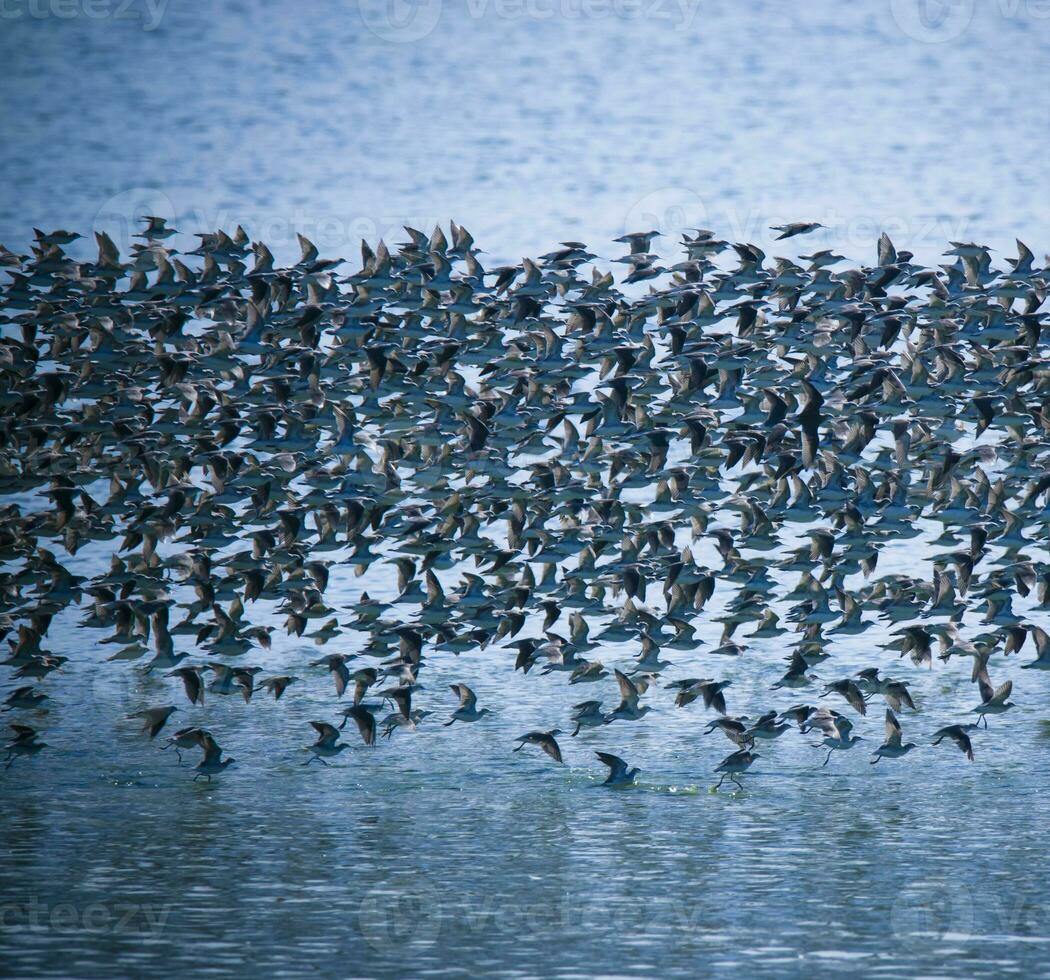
(893,729)
(402,697)
(616,765)
(984,685)
(366,723)
(855,698)
(467,698)
(842,725)
(329,734)
(628,691)
(212,750)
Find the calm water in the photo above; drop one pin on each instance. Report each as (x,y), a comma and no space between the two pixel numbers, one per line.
(441,852)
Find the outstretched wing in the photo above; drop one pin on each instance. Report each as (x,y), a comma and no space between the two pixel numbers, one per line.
(467,698)
(628,691)
(893,729)
(614,762)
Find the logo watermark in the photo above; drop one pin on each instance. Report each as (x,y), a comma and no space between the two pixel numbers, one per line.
(113,918)
(672,211)
(939,21)
(405,21)
(149,13)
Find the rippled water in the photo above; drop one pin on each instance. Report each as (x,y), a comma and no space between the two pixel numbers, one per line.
(443,852)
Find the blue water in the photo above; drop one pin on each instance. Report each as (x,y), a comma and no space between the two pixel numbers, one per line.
(442,853)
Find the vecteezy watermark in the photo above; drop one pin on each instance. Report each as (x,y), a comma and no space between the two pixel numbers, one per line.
(676,211)
(932,21)
(400,21)
(148,12)
(403,21)
(390,915)
(671,211)
(115,918)
(121,217)
(937,21)
(417,910)
(927,912)
(936,910)
(680,13)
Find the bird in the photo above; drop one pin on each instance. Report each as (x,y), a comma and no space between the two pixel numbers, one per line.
(277,685)
(735,764)
(336,664)
(192,682)
(639,241)
(25,743)
(796,228)
(850,691)
(327,745)
(737,730)
(837,731)
(994,701)
(25,698)
(893,747)
(154,719)
(960,735)
(628,709)
(767,727)
(365,721)
(468,710)
(619,773)
(211,763)
(545,740)
(186,738)
(1042,649)
(587,714)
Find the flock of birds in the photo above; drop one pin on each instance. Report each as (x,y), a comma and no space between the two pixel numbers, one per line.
(540,453)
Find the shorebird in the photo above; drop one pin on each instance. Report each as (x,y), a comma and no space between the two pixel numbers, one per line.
(850,691)
(154,719)
(365,721)
(277,685)
(25,698)
(837,730)
(893,747)
(628,709)
(734,764)
(211,763)
(186,738)
(960,735)
(895,692)
(1042,649)
(336,664)
(994,701)
(545,740)
(796,228)
(24,743)
(192,682)
(468,709)
(326,745)
(639,241)
(735,729)
(587,714)
(619,773)
(767,727)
